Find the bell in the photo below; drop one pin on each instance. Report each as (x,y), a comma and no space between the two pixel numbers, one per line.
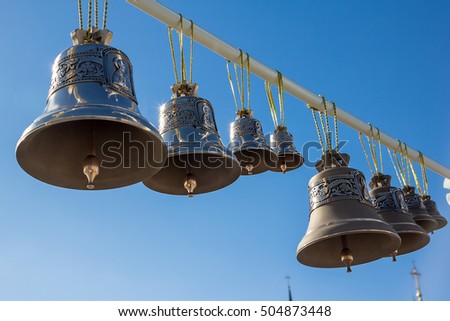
(248,144)
(91,134)
(390,203)
(418,210)
(344,228)
(282,143)
(197,162)
(432,209)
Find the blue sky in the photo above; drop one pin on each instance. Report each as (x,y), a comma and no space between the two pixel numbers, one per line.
(384,61)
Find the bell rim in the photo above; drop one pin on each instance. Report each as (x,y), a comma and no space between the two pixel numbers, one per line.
(290,165)
(262,166)
(357,261)
(423,237)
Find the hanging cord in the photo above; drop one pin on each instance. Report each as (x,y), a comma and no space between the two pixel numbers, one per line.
(172,50)
(416,179)
(191,52)
(316,123)
(89,14)
(248,80)
(240,84)
(401,164)
(96,13)
(232,86)
(336,133)
(281,99)
(380,149)
(400,180)
(80,14)
(404,164)
(105,13)
(373,150)
(273,109)
(365,153)
(326,128)
(424,174)
(183,63)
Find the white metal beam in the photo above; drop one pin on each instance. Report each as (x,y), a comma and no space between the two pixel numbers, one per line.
(172,19)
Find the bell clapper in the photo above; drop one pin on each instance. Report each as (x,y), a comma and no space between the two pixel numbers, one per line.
(190,184)
(283,167)
(249,169)
(347,258)
(394,256)
(91,169)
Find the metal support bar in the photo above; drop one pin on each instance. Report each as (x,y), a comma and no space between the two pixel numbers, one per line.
(172,19)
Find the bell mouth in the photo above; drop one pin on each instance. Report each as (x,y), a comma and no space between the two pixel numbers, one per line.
(261,159)
(290,161)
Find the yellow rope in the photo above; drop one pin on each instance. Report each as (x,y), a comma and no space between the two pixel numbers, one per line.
(281,98)
(89,13)
(424,173)
(105,13)
(248,81)
(416,179)
(336,135)
(327,130)
(80,14)
(172,50)
(183,63)
(273,110)
(380,150)
(372,149)
(317,127)
(232,86)
(402,182)
(191,54)
(365,152)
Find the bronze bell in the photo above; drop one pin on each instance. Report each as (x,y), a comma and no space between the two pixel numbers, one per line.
(91,134)
(248,144)
(197,162)
(390,204)
(432,209)
(344,228)
(418,210)
(282,143)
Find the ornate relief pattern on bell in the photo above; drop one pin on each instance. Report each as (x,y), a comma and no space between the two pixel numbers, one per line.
(418,210)
(391,205)
(344,228)
(197,162)
(91,134)
(282,143)
(248,144)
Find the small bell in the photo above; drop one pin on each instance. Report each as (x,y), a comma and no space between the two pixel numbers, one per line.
(418,210)
(432,209)
(390,204)
(197,160)
(282,143)
(248,144)
(344,228)
(91,109)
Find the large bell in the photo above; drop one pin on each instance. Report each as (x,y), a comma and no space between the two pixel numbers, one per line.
(282,143)
(432,209)
(418,210)
(91,134)
(248,144)
(198,162)
(344,228)
(390,204)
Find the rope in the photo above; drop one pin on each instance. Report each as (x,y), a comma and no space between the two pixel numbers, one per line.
(327,131)
(402,183)
(336,135)
(365,152)
(80,14)
(248,81)
(317,127)
(273,110)
(416,179)
(172,50)
(401,165)
(96,13)
(372,149)
(424,174)
(183,63)
(381,150)
(232,86)
(89,14)
(241,85)
(281,98)
(105,13)
(191,53)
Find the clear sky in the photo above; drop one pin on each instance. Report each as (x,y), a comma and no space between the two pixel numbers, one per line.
(386,62)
